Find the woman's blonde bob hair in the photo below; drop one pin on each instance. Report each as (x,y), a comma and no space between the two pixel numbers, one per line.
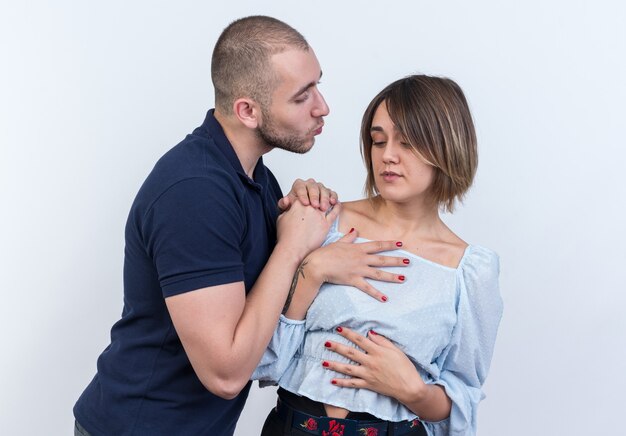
(433,116)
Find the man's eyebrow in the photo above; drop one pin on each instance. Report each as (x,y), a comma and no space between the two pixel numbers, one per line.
(307,87)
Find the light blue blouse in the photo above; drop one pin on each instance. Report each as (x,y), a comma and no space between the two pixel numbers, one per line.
(444,319)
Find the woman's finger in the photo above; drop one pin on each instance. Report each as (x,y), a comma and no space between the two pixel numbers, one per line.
(384,276)
(348,352)
(380,340)
(352,370)
(350,236)
(379,260)
(357,383)
(378,246)
(370,290)
(359,340)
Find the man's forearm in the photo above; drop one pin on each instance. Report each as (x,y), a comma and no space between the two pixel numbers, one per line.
(224,332)
(263,307)
(304,289)
(294,284)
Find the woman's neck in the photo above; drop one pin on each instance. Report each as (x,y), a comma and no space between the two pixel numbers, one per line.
(414,219)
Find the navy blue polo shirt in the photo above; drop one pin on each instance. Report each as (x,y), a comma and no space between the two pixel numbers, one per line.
(197,221)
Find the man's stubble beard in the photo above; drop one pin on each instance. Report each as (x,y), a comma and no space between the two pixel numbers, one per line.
(289,142)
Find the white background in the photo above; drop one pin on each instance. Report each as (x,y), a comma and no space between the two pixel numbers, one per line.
(93,93)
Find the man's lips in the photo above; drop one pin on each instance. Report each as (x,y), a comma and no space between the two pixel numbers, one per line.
(318,129)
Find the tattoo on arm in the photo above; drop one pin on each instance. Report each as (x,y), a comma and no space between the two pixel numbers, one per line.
(294,283)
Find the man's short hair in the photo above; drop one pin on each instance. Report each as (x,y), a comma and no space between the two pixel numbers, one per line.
(434,117)
(241,62)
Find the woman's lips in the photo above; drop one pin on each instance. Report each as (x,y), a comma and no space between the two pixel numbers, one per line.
(390,176)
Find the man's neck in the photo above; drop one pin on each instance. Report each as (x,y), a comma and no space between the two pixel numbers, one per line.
(247,145)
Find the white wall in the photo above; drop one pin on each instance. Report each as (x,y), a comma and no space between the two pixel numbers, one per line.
(92,93)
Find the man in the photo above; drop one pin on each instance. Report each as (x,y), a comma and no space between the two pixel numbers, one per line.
(207,268)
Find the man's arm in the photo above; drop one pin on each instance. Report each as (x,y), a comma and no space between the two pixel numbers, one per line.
(225,333)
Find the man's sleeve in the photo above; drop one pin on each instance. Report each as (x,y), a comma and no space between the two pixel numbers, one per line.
(193,233)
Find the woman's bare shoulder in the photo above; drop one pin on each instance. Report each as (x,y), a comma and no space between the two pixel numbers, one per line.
(355,214)
(358,207)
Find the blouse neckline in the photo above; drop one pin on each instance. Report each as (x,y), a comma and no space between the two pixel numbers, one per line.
(335,228)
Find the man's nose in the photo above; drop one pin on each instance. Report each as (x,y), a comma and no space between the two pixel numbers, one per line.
(321,109)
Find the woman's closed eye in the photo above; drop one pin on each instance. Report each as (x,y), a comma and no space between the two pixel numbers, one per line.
(378,140)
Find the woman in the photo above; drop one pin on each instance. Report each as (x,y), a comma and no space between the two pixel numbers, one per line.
(415,364)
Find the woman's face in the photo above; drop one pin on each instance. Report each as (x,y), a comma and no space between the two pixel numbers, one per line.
(400,174)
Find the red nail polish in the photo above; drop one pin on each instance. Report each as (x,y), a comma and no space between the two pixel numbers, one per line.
(339,329)
(334,382)
(327,344)
(351,230)
(373,332)
(398,244)
(384,298)
(406,261)
(325,364)
(401,278)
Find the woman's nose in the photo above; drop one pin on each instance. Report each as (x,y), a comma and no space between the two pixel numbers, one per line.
(390,153)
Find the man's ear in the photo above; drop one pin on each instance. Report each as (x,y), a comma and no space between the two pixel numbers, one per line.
(247,111)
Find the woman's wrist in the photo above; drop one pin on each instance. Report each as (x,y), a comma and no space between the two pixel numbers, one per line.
(415,393)
(428,401)
(314,272)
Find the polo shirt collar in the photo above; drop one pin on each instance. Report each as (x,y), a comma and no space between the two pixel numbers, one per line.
(215,131)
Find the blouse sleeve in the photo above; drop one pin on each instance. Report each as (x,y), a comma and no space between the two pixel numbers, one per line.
(284,344)
(465,361)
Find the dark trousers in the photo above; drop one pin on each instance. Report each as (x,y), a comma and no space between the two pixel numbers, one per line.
(276,426)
